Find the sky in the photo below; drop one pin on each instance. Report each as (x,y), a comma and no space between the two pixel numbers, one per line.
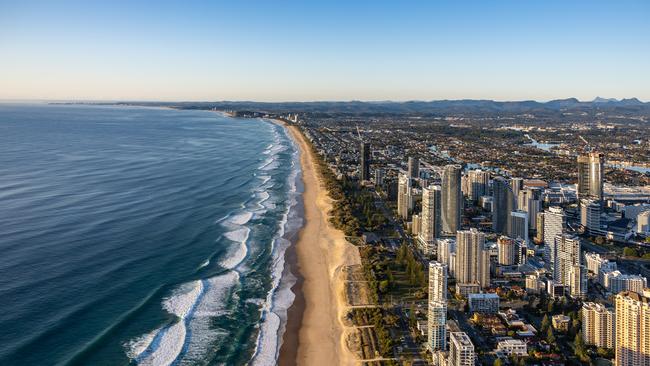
(324,50)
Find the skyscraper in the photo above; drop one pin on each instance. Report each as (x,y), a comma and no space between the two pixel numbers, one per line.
(364,166)
(437,314)
(447,247)
(502,205)
(590,214)
(404,199)
(590,176)
(632,329)
(472,258)
(554,223)
(578,281)
(431,221)
(567,255)
(461,350)
(598,325)
(478,181)
(413,167)
(506,251)
(516,185)
(530,202)
(452,203)
(519,225)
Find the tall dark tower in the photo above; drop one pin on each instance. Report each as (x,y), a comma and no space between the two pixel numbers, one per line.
(502,204)
(364,171)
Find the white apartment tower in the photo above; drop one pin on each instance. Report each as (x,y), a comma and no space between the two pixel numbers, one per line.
(437,314)
(472,258)
(554,223)
(566,256)
(598,325)
(404,197)
(430,220)
(461,350)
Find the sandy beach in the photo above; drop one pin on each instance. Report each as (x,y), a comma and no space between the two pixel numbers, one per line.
(315,332)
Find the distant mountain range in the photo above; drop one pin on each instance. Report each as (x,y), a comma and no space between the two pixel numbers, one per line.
(631,106)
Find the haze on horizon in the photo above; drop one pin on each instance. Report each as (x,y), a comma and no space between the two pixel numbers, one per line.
(324,50)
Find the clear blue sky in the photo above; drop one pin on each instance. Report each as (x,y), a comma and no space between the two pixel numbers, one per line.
(324,50)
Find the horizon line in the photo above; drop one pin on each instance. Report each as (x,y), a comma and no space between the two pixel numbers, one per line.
(47,100)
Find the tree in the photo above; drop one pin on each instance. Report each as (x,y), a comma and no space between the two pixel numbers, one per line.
(630,252)
(498,362)
(551,307)
(545,324)
(550,337)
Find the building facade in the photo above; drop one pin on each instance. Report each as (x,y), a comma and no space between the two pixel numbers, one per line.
(461,350)
(632,342)
(472,258)
(431,221)
(437,314)
(598,325)
(452,199)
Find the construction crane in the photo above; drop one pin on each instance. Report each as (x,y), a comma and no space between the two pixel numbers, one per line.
(586,148)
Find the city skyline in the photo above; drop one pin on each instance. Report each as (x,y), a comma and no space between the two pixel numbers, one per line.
(324,51)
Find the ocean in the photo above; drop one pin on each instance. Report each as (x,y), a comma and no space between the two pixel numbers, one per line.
(134,235)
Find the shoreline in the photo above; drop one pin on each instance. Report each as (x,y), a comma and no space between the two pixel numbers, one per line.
(314,331)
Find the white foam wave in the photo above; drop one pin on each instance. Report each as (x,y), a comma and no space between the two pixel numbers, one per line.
(213,303)
(240,218)
(280,297)
(239,253)
(163,346)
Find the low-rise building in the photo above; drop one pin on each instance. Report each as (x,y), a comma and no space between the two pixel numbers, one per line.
(561,322)
(509,346)
(483,303)
(464,289)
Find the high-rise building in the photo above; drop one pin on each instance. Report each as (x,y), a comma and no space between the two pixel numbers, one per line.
(404,197)
(590,176)
(578,281)
(616,282)
(416,225)
(529,201)
(554,224)
(590,214)
(452,199)
(567,254)
(478,182)
(632,329)
(472,258)
(519,225)
(437,314)
(502,205)
(430,217)
(364,173)
(506,251)
(539,235)
(413,167)
(447,247)
(379,176)
(599,265)
(437,281)
(643,222)
(461,350)
(598,325)
(516,185)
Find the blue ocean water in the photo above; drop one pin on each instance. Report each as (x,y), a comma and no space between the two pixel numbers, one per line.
(133,235)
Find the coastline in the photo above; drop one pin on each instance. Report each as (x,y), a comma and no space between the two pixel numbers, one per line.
(315,333)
